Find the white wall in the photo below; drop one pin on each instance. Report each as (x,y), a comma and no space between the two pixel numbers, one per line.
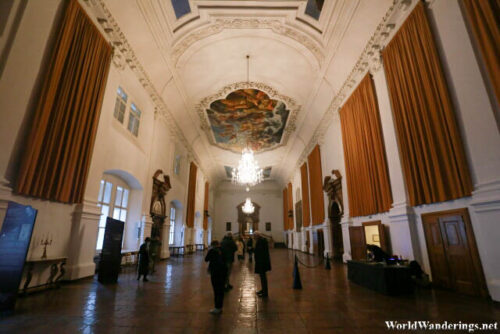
(267,194)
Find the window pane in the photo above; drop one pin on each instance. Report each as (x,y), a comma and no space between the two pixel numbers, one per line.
(116,213)
(125,198)
(172,213)
(101,190)
(118,196)
(100,238)
(104,215)
(181,7)
(107,193)
(123,215)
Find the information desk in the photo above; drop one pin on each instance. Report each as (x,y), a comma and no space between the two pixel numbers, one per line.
(386,279)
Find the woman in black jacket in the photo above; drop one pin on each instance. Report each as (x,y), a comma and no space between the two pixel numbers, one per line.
(218,271)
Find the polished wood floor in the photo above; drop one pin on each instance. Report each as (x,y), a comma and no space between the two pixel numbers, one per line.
(178,297)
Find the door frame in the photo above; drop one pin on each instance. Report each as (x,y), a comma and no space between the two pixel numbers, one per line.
(471,242)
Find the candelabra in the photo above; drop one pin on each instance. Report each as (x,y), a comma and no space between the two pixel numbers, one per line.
(45,243)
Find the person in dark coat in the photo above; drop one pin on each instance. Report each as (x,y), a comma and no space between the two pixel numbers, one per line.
(228,247)
(262,262)
(250,249)
(144,260)
(217,270)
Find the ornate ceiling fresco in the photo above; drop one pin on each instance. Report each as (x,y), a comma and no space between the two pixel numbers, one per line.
(247,118)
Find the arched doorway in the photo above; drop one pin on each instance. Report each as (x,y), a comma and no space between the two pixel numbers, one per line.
(248,223)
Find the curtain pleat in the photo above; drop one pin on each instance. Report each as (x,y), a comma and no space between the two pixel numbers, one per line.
(432,155)
(305,195)
(59,147)
(316,184)
(290,206)
(484,20)
(285,209)
(205,207)
(368,185)
(193,169)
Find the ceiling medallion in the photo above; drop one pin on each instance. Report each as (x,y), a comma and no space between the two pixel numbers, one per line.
(248,172)
(249,112)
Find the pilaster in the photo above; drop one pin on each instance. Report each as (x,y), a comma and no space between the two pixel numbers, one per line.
(82,244)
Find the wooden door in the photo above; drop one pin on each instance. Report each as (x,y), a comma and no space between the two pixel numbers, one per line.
(358,243)
(455,262)
(308,241)
(435,248)
(384,242)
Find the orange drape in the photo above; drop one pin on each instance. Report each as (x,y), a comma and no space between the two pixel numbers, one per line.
(316,184)
(205,207)
(432,155)
(290,206)
(59,148)
(305,195)
(193,169)
(484,17)
(368,186)
(285,209)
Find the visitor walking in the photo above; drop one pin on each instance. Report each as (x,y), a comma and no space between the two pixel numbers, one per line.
(262,262)
(217,270)
(250,248)
(228,249)
(240,252)
(143,267)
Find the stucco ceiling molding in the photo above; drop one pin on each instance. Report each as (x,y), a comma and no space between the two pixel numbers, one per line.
(292,106)
(124,55)
(220,24)
(369,60)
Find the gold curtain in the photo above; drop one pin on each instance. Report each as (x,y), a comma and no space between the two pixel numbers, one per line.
(285,209)
(205,208)
(290,206)
(432,155)
(305,195)
(368,185)
(484,17)
(59,147)
(193,169)
(316,184)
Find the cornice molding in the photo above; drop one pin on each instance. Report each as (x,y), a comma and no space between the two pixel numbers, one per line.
(219,24)
(124,55)
(290,103)
(369,60)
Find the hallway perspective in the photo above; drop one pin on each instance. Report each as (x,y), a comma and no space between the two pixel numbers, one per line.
(178,297)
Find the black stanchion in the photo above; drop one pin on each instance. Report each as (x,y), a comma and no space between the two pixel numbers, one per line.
(297,284)
(327,263)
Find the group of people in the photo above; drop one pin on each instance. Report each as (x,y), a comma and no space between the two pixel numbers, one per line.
(220,257)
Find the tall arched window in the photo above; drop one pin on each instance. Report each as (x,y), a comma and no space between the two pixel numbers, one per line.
(113,200)
(171,236)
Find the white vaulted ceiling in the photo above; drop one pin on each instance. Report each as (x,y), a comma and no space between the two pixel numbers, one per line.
(201,57)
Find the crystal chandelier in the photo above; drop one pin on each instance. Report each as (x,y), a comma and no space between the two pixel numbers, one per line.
(248,171)
(248,207)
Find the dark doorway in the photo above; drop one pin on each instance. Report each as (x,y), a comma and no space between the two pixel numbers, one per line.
(336,231)
(453,255)
(318,243)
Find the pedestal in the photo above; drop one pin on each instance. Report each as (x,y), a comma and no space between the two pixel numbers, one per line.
(346,223)
(327,235)
(165,238)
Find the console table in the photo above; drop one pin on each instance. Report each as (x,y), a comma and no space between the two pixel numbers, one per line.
(57,271)
(383,278)
(176,250)
(200,247)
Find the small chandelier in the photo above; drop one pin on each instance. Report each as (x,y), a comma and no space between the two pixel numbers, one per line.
(248,207)
(248,171)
